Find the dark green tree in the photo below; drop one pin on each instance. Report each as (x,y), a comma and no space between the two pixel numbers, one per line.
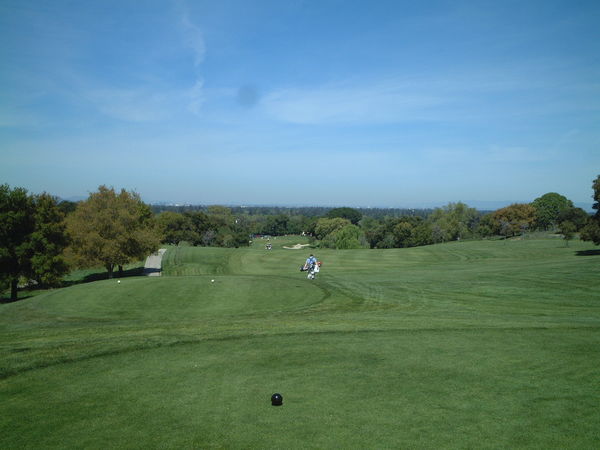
(577,216)
(403,233)
(276,225)
(16,225)
(67,206)
(548,208)
(48,241)
(591,232)
(567,229)
(422,234)
(373,229)
(176,227)
(351,214)
(487,226)
(32,239)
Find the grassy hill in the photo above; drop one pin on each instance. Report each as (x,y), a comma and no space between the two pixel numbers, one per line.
(490,344)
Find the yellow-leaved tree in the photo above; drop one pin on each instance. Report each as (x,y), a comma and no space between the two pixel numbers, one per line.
(112,229)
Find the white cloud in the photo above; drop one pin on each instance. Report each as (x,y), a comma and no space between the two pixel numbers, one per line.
(194,38)
(152,100)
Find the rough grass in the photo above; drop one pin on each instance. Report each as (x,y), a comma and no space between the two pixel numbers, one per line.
(475,344)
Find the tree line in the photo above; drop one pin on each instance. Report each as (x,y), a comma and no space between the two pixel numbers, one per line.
(42,238)
(345,228)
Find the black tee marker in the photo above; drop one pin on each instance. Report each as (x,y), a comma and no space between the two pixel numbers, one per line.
(276,400)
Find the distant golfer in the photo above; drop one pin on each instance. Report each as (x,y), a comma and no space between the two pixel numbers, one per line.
(311,266)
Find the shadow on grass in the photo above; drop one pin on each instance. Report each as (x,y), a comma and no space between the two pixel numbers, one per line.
(4,300)
(29,291)
(595,252)
(103,275)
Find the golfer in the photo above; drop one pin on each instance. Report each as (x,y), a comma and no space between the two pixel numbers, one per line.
(310,261)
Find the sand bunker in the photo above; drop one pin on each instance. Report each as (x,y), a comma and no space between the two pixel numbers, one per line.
(297,246)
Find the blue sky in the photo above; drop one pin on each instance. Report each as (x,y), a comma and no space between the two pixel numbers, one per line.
(383,103)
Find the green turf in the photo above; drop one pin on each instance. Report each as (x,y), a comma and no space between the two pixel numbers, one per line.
(489,344)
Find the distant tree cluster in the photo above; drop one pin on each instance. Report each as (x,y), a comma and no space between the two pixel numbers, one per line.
(300,211)
(456,221)
(453,222)
(551,211)
(216,227)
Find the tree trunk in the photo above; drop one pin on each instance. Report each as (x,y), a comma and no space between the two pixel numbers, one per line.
(14,289)
(120,271)
(109,268)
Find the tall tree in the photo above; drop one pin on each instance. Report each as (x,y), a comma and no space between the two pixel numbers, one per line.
(548,208)
(16,225)
(32,238)
(112,229)
(591,232)
(48,241)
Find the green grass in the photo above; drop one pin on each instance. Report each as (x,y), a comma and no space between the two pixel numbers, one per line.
(489,344)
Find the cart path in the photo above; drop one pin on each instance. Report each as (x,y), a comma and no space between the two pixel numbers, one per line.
(153,264)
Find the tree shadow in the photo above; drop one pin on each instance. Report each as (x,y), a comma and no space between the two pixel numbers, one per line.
(595,252)
(5,300)
(103,275)
(97,276)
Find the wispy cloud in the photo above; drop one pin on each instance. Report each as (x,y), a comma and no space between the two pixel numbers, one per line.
(154,99)
(194,40)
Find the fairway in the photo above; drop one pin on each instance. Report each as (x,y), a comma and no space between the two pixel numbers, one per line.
(486,344)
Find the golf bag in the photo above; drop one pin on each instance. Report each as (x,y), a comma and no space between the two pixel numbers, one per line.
(313,270)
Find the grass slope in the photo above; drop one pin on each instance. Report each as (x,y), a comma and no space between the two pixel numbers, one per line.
(472,344)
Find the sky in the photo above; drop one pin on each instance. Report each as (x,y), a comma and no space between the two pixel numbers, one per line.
(329,103)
